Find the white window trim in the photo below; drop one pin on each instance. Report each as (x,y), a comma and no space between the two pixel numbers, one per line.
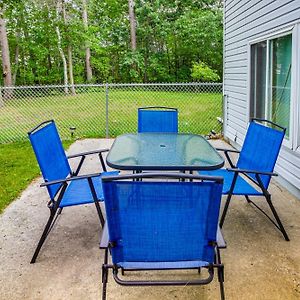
(294,138)
(268,79)
(273,35)
(297,91)
(295,107)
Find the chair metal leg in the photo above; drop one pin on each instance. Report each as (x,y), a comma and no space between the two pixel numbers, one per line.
(94,194)
(222,292)
(104,281)
(104,274)
(44,236)
(53,206)
(247,198)
(267,195)
(101,218)
(281,228)
(228,199)
(225,210)
(277,222)
(102,162)
(220,273)
(191,172)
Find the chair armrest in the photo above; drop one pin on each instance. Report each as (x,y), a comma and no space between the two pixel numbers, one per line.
(228,150)
(251,171)
(232,165)
(84,154)
(104,238)
(87,153)
(220,239)
(47,183)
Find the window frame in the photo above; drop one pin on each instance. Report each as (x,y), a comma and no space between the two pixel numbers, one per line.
(296,56)
(294,137)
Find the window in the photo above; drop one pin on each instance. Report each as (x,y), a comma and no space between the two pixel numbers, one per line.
(270,85)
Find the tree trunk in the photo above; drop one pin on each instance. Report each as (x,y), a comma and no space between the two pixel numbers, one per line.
(146,61)
(176,60)
(132,24)
(69,50)
(61,52)
(16,65)
(89,72)
(70,63)
(169,60)
(31,53)
(49,42)
(7,78)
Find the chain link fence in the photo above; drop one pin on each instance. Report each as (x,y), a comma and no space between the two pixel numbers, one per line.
(106,110)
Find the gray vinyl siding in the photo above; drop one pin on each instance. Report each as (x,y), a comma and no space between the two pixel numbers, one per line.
(245,21)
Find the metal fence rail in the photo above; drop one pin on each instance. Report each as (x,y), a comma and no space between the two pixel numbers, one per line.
(106,110)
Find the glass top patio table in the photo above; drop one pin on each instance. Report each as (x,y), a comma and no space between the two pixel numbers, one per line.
(163,151)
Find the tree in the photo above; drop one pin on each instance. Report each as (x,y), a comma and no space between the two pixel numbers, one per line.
(16,61)
(111,40)
(132,24)
(202,72)
(200,38)
(60,49)
(6,67)
(69,49)
(89,73)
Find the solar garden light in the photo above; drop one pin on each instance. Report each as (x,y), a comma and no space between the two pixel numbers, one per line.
(72,130)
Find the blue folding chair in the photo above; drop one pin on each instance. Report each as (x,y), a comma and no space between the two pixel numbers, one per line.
(157,119)
(256,162)
(64,186)
(159,225)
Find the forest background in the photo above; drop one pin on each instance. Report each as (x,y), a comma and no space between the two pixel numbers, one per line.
(96,41)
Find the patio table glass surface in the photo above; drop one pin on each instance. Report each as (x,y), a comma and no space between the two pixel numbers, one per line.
(163,151)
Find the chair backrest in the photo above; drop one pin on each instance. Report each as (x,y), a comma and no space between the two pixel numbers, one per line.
(261,148)
(50,154)
(157,119)
(155,221)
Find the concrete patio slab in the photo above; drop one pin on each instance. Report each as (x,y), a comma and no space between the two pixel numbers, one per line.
(259,263)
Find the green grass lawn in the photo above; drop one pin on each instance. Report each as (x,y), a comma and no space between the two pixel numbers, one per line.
(87,112)
(18,169)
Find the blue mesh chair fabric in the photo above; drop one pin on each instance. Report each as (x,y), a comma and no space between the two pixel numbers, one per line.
(162,224)
(50,155)
(54,165)
(79,192)
(242,187)
(260,150)
(150,120)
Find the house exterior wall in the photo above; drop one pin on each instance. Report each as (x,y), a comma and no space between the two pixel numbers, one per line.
(244,22)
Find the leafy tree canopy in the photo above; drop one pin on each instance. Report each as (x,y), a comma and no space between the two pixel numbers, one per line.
(202,72)
(170,37)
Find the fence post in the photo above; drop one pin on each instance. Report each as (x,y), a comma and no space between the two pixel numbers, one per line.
(225,100)
(106,111)
(1,99)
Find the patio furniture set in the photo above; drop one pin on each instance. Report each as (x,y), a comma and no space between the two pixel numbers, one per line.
(164,213)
